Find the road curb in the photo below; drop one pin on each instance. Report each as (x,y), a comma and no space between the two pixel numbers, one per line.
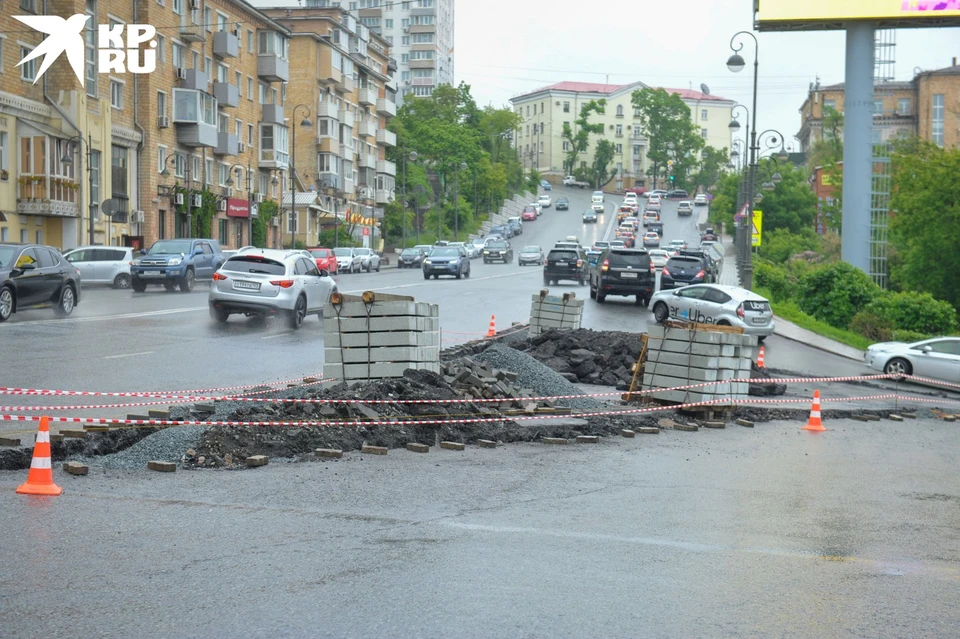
(815,340)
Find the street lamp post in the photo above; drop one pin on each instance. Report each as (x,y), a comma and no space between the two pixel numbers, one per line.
(68,159)
(456,204)
(419,189)
(403,204)
(188,178)
(736,63)
(306,124)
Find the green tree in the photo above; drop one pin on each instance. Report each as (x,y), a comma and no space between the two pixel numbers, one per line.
(925,224)
(497,125)
(723,206)
(602,157)
(671,134)
(580,140)
(791,205)
(827,153)
(780,245)
(712,166)
(834,293)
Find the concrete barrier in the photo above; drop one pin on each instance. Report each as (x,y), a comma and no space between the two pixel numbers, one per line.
(553,311)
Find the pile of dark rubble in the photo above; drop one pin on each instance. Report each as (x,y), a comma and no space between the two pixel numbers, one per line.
(586,356)
(762,389)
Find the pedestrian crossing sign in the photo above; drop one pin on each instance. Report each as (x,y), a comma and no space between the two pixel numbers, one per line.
(757,230)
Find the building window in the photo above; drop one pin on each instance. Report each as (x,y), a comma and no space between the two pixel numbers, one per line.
(637,131)
(162,225)
(4,234)
(619,149)
(829,104)
(405,41)
(250,135)
(222,228)
(95,177)
(178,7)
(177,58)
(249,88)
(161,158)
(161,103)
(636,112)
(249,41)
(28,70)
(903,106)
(118,177)
(4,151)
(878,107)
(703,114)
(90,43)
(222,174)
(208,174)
(703,133)
(636,150)
(161,48)
(566,107)
(566,146)
(619,110)
(619,130)
(24,235)
(937,118)
(116,94)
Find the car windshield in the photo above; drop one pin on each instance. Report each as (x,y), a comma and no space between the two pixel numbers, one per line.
(562,199)
(165,247)
(254,264)
(623,260)
(320,252)
(530,249)
(497,244)
(409,252)
(342,252)
(444,252)
(529,209)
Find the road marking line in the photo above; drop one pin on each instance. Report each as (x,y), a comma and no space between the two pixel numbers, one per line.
(277,335)
(170,311)
(128,355)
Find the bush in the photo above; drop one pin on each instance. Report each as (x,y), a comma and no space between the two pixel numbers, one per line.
(919,313)
(774,279)
(908,336)
(872,326)
(834,293)
(780,244)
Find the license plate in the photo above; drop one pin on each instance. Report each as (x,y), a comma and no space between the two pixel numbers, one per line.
(152,273)
(759,320)
(561,264)
(250,286)
(628,275)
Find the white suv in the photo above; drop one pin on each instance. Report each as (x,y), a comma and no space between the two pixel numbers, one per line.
(102,264)
(544,201)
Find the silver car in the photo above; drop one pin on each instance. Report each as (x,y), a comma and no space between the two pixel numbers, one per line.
(347,260)
(937,358)
(270,282)
(715,304)
(369,260)
(102,264)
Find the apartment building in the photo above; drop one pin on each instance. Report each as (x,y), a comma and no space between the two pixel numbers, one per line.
(927,106)
(342,83)
(208,118)
(419,33)
(540,142)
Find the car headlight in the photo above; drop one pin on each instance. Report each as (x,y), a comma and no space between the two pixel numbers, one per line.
(135,262)
(486,252)
(427,261)
(174,261)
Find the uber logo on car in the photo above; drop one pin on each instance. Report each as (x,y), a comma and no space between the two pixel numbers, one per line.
(696,317)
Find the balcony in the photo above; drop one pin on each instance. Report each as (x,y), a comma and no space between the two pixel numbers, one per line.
(386,106)
(346,151)
(225,44)
(270,159)
(47,195)
(195,116)
(367,129)
(348,187)
(347,84)
(386,138)
(272,113)
(196,79)
(227,144)
(331,75)
(368,160)
(384,196)
(367,96)
(346,118)
(327,110)
(326,144)
(328,178)
(197,134)
(226,94)
(386,167)
(192,33)
(272,68)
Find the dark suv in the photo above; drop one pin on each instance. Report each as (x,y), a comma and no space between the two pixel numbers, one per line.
(622,271)
(682,270)
(176,263)
(497,251)
(565,264)
(34,275)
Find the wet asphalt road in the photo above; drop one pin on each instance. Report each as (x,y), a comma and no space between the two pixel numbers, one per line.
(764,532)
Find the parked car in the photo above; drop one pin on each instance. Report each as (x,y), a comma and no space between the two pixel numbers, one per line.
(268,283)
(716,304)
(34,275)
(545,201)
(326,260)
(682,270)
(174,263)
(651,240)
(446,260)
(937,358)
(530,255)
(410,258)
(700,199)
(623,272)
(515,227)
(102,264)
(348,261)
(677,194)
(563,204)
(475,248)
(471,250)
(589,216)
(659,257)
(502,230)
(369,259)
(529,214)
(537,206)
(498,251)
(546,186)
(658,193)
(685,208)
(570,180)
(565,264)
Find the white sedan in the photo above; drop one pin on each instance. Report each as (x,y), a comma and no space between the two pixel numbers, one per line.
(700,199)
(937,358)
(544,201)
(715,304)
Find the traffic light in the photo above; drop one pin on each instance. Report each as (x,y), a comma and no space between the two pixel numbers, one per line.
(672,177)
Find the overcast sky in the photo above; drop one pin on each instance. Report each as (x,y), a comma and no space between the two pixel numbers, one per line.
(508,47)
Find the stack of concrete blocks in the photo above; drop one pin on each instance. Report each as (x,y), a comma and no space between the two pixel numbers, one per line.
(553,311)
(381,339)
(683,357)
(510,208)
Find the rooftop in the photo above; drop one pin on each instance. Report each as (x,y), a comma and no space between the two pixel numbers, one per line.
(607,89)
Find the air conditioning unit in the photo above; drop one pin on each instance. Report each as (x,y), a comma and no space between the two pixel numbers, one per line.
(163,122)
(197,200)
(259,198)
(241,147)
(137,217)
(181,73)
(222,206)
(406,29)
(227,192)
(557,103)
(275,221)
(179,199)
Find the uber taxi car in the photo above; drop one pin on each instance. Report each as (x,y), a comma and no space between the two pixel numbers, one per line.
(715,304)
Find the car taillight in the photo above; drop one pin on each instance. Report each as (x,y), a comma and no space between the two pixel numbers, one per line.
(606,265)
(740,311)
(653,266)
(282,283)
(219,277)
(579,263)
(664,271)
(699,275)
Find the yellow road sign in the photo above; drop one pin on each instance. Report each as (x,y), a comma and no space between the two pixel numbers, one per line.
(756,238)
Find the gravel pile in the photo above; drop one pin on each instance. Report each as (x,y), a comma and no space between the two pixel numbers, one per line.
(536,376)
(167,444)
(586,356)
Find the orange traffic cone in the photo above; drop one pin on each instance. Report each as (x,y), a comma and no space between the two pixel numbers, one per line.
(814,424)
(492,331)
(40,478)
(760,359)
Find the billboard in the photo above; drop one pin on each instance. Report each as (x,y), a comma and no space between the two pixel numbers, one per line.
(816,15)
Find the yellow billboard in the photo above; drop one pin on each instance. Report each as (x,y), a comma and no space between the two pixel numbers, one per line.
(756,233)
(826,14)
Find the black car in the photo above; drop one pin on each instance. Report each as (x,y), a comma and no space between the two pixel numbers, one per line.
(565,264)
(410,258)
(562,204)
(502,230)
(446,260)
(682,270)
(677,194)
(709,264)
(622,271)
(589,216)
(32,275)
(498,251)
(515,227)
(656,227)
